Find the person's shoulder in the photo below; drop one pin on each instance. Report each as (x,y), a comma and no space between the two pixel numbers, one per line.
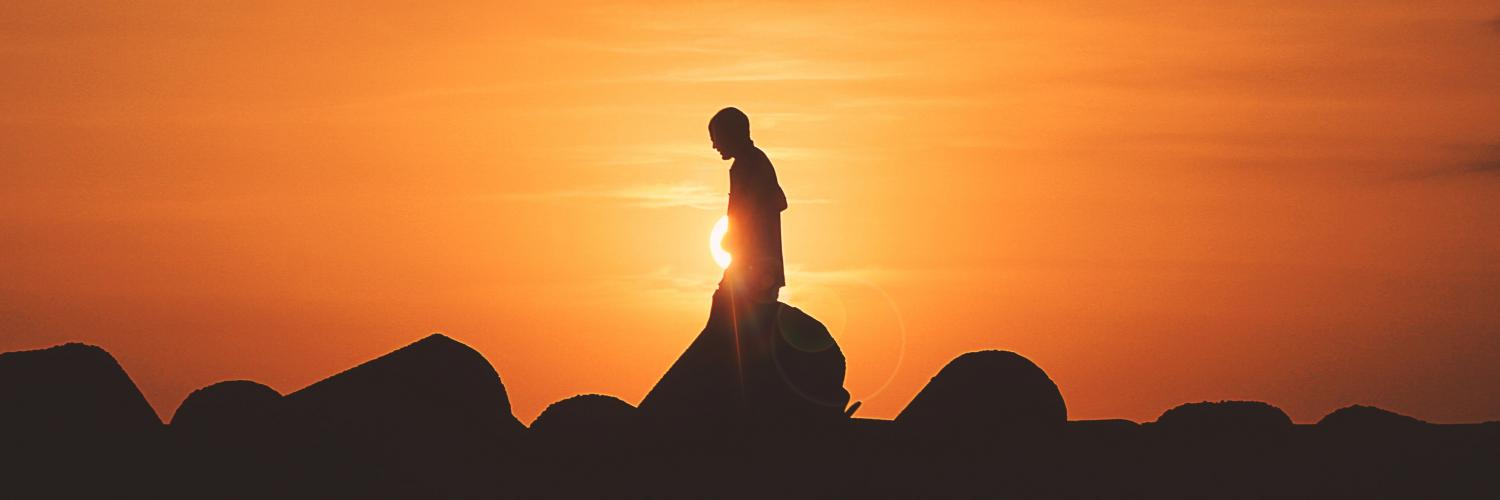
(759,154)
(752,159)
(758,158)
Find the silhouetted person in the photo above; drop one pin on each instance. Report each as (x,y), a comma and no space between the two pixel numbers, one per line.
(759,365)
(745,302)
(755,203)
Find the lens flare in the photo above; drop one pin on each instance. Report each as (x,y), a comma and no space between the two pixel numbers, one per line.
(716,242)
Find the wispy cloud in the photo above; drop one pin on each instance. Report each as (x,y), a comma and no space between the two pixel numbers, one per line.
(1487,163)
(1480,160)
(661,48)
(645,196)
(686,44)
(1494,24)
(765,70)
(841,276)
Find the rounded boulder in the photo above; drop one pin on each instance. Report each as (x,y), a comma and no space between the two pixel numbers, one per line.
(988,394)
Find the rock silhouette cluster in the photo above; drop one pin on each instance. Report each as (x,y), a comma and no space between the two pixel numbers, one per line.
(432,420)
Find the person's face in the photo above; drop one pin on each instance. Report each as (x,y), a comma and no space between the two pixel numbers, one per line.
(723,149)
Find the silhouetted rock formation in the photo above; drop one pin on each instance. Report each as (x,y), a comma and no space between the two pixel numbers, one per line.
(73,389)
(1357,418)
(789,372)
(1224,418)
(758,394)
(987,394)
(1372,453)
(592,418)
(226,434)
(73,424)
(430,419)
(988,425)
(227,409)
(590,446)
(436,379)
(809,362)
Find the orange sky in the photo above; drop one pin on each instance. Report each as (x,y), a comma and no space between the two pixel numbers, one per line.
(1284,201)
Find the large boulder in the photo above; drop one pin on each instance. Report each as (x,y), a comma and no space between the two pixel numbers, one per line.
(756,401)
(226,409)
(228,443)
(1368,419)
(753,364)
(430,419)
(436,380)
(988,394)
(70,391)
(1224,419)
(73,425)
(587,420)
(989,425)
(591,446)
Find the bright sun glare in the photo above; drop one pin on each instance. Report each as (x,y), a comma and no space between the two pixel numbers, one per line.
(716,242)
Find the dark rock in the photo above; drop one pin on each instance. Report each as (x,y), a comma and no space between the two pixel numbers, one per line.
(1224,418)
(1357,418)
(435,380)
(988,394)
(226,434)
(757,395)
(73,425)
(808,361)
(590,446)
(72,390)
(759,365)
(430,419)
(988,425)
(1374,453)
(587,418)
(229,408)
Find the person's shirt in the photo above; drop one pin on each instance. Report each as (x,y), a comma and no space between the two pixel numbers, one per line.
(755,204)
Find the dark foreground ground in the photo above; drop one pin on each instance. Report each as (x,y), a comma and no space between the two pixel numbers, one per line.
(432,421)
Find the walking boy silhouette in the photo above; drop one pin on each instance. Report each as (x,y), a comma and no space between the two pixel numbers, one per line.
(756,272)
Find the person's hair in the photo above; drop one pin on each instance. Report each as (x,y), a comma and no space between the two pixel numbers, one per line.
(730,123)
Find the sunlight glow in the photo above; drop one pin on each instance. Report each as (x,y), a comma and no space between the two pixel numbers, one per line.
(716,242)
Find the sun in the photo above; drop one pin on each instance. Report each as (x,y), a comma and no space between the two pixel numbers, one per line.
(716,242)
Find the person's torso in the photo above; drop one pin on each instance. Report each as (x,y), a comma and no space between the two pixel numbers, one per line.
(756,202)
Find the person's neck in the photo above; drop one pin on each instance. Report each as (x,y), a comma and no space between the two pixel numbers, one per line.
(744,148)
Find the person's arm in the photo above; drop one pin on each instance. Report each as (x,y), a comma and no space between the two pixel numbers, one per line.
(769,200)
(754,189)
(775,198)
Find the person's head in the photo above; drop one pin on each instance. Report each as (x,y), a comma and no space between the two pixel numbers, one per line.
(729,131)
